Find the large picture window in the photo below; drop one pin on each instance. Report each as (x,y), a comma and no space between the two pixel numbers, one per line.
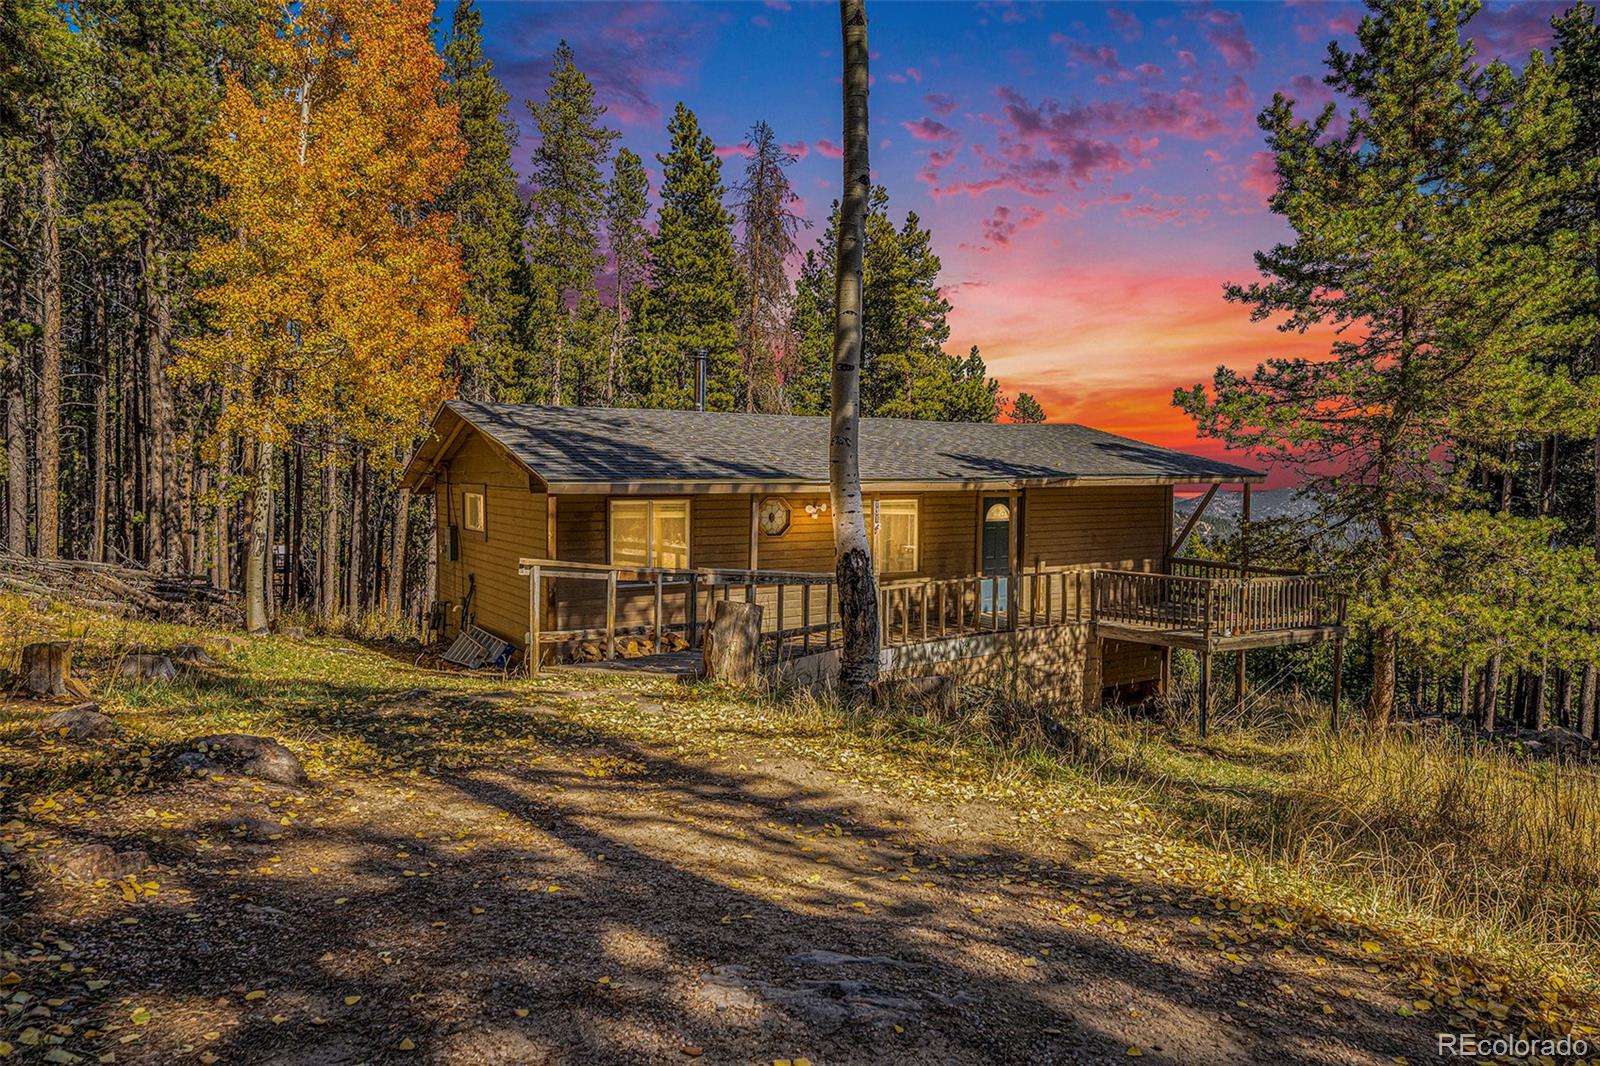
(894,536)
(650,533)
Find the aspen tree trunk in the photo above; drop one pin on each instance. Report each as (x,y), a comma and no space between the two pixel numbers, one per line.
(222,562)
(399,535)
(258,512)
(328,554)
(858,598)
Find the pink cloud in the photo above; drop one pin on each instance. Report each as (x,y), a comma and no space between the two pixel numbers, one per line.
(931,129)
(1238,96)
(1093,55)
(1307,91)
(631,54)
(799,149)
(941,103)
(1260,175)
(1511,31)
(1225,30)
(724,151)
(1149,71)
(1124,22)
(827,149)
(1186,59)
(1004,223)
(1213,155)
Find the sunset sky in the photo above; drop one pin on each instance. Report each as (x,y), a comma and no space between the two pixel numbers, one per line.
(1092,173)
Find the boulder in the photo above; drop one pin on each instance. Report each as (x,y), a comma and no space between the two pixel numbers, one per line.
(96,862)
(293,632)
(240,753)
(192,655)
(84,722)
(147,666)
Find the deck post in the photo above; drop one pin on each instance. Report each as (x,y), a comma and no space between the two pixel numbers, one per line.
(1338,667)
(694,605)
(805,618)
(611,614)
(535,595)
(1166,671)
(1205,688)
(659,579)
(1238,681)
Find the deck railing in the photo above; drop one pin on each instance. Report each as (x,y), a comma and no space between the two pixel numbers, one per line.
(800,612)
(1221,605)
(678,601)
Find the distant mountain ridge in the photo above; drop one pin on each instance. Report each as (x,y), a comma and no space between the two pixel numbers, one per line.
(1223,514)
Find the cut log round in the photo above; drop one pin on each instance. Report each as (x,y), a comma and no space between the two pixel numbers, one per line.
(47,670)
(192,655)
(733,642)
(148,666)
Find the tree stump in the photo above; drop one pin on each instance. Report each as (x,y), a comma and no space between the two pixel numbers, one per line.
(47,670)
(733,642)
(148,666)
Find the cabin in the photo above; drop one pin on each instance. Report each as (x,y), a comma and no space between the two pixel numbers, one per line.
(1039,556)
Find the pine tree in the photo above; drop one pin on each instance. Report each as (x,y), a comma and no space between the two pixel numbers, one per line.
(162,59)
(1025,409)
(690,304)
(768,223)
(807,367)
(1578,67)
(906,372)
(1416,227)
(627,204)
(488,214)
(564,216)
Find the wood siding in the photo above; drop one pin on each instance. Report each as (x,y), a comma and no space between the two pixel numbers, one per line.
(1124,527)
(514,527)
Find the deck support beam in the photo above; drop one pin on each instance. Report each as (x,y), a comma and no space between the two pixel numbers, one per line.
(1205,690)
(1188,527)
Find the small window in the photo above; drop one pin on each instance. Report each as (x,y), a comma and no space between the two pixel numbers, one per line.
(997,512)
(650,533)
(472,511)
(894,537)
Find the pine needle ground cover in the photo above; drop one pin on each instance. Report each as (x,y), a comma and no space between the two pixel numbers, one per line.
(494,870)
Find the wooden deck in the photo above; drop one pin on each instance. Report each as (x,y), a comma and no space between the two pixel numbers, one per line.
(1204,606)
(1209,606)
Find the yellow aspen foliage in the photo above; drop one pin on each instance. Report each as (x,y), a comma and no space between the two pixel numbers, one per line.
(337,294)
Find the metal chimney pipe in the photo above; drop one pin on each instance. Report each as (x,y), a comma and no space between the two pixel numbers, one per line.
(700,379)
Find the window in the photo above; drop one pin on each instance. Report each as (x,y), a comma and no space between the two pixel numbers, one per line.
(894,536)
(997,512)
(472,511)
(650,533)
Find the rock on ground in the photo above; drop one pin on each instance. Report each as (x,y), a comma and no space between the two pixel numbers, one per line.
(80,723)
(240,753)
(96,862)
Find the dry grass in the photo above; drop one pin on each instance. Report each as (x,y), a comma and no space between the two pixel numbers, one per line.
(1473,845)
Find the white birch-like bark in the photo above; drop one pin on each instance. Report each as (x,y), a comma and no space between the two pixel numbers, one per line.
(858,600)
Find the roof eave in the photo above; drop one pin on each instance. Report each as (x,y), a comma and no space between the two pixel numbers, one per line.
(702,486)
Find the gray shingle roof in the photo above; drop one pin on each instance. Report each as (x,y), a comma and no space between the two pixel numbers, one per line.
(590,445)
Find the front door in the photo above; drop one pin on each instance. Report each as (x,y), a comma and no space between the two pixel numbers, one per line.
(996,549)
